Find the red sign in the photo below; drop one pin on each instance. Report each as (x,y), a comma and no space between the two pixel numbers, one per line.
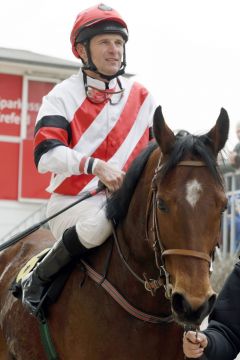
(36,91)
(33,183)
(10,104)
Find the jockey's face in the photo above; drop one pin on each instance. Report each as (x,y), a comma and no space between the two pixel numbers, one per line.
(106,52)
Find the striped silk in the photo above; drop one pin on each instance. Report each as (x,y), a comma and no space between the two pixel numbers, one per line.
(69,127)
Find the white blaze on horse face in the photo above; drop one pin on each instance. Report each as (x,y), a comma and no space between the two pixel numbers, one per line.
(193,192)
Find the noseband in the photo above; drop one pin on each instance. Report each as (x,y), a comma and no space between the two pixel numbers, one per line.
(150,284)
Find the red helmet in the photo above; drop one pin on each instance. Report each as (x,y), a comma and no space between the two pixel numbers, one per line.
(97,20)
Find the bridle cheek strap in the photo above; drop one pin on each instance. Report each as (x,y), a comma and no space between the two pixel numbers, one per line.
(161,253)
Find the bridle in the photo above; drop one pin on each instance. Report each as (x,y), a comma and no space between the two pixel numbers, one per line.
(159,251)
(152,285)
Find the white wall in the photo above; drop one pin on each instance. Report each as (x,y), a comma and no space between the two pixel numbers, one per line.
(13,213)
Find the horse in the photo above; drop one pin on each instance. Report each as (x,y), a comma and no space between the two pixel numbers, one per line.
(131,297)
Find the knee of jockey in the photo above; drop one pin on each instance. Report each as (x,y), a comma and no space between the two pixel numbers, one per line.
(94,236)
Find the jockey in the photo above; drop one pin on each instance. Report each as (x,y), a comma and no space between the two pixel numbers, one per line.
(89,128)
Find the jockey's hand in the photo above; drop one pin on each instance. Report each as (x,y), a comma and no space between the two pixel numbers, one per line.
(193,347)
(109,175)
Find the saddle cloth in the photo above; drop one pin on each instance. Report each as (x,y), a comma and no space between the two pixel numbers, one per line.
(30,265)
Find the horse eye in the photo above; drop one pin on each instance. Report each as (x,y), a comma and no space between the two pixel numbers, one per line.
(162,205)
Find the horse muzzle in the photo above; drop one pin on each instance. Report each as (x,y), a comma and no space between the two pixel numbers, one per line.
(185,313)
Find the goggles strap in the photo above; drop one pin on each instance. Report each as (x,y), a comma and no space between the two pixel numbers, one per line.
(96,95)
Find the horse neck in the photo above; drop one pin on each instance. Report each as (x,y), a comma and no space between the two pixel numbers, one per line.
(131,232)
(134,225)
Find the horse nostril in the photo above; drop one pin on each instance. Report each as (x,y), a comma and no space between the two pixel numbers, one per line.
(179,304)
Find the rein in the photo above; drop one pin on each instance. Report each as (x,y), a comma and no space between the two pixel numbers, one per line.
(101,280)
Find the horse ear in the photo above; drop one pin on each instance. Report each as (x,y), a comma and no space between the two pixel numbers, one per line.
(218,135)
(163,135)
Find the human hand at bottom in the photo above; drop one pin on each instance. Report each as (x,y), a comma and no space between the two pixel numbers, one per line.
(194,344)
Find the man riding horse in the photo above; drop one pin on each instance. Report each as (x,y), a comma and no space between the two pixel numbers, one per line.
(89,128)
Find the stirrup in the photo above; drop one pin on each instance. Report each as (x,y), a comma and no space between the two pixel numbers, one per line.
(33,292)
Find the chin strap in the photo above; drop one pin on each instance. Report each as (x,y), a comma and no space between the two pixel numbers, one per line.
(92,67)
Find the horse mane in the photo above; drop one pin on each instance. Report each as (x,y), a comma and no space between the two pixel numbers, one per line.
(118,202)
(185,144)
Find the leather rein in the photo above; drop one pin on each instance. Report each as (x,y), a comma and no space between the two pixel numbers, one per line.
(152,285)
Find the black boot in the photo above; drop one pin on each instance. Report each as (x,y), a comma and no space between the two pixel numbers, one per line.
(35,284)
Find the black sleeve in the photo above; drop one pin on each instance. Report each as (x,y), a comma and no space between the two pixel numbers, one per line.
(223,344)
(50,131)
(223,331)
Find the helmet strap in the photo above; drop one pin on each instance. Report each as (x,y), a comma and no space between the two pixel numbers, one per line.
(89,65)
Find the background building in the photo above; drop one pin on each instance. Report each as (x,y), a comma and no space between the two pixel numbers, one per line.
(25,77)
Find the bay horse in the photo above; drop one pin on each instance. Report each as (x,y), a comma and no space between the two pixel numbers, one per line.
(167,219)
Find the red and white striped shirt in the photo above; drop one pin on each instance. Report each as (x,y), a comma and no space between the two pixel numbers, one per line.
(69,127)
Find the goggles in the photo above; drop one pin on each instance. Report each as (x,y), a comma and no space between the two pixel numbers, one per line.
(99,96)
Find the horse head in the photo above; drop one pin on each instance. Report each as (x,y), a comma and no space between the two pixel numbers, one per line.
(189,199)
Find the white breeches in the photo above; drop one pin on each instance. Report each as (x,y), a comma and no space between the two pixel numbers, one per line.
(92,226)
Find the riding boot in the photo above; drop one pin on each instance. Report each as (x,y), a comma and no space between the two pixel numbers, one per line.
(35,284)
